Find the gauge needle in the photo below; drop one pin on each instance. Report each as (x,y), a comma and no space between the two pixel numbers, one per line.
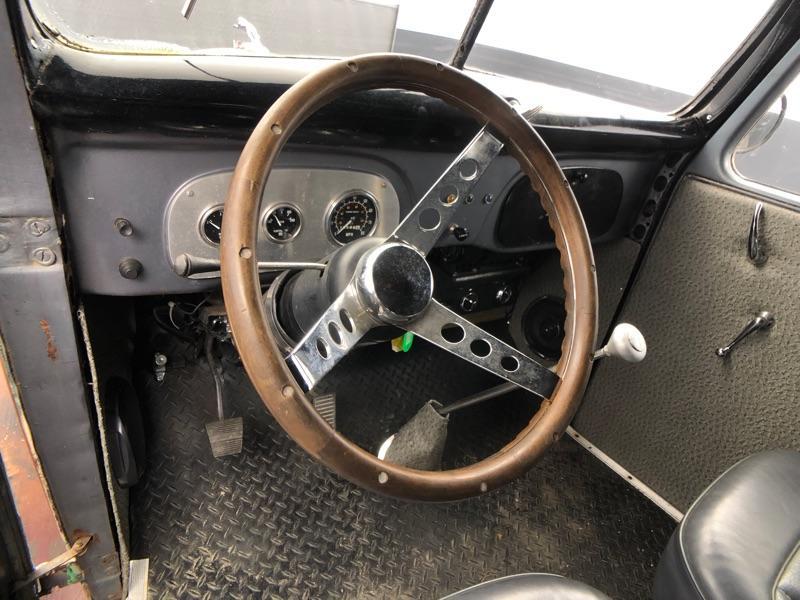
(277,220)
(345,226)
(215,226)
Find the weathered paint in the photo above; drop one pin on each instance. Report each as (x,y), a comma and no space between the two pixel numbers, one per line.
(52,349)
(40,525)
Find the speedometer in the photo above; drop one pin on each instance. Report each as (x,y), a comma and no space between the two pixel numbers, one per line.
(352,217)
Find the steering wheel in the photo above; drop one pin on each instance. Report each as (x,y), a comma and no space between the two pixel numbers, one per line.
(392,283)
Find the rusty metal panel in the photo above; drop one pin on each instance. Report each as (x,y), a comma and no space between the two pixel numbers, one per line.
(40,524)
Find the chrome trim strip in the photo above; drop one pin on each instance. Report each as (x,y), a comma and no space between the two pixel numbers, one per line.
(637,484)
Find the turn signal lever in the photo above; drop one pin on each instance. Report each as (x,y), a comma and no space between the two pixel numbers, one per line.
(626,342)
(187,265)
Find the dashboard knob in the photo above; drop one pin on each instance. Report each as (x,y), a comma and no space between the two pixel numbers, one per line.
(503,294)
(130,268)
(469,301)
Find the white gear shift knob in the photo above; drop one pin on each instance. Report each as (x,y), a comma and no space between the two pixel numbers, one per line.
(626,342)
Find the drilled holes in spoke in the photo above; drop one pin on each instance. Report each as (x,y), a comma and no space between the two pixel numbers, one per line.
(335,333)
(509,363)
(452,333)
(429,219)
(347,322)
(468,169)
(480,348)
(322,348)
(448,195)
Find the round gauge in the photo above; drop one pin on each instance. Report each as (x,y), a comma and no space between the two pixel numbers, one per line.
(282,223)
(352,217)
(211,225)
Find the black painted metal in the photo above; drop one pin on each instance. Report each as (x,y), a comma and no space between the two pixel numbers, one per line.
(227,95)
(744,70)
(273,523)
(476,19)
(38,327)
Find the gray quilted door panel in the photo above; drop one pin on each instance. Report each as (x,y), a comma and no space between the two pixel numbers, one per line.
(684,415)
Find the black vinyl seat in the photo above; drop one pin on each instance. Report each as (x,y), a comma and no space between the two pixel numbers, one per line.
(740,540)
(529,586)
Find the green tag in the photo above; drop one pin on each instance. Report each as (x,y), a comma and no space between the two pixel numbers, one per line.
(403,343)
(407,340)
(74,573)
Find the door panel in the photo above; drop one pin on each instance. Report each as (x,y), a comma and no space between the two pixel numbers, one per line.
(680,418)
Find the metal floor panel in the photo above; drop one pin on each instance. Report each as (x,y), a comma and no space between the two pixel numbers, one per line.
(272,523)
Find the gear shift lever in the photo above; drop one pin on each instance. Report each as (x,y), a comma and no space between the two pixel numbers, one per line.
(626,342)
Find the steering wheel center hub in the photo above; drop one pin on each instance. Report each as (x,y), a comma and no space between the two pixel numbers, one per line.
(395,282)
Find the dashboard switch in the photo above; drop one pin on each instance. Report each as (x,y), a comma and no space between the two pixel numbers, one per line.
(459,232)
(469,301)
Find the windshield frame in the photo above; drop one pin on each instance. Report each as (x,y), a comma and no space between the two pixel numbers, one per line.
(761,50)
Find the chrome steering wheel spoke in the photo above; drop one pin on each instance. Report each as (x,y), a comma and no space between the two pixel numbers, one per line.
(450,331)
(423,226)
(334,334)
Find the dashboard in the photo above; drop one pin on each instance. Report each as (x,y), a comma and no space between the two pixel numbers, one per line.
(134,203)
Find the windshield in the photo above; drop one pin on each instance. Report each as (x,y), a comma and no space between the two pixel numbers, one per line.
(643,54)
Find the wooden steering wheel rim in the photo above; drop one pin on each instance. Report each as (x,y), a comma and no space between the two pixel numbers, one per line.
(254,339)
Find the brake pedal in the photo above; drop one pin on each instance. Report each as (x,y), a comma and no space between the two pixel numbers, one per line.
(224,435)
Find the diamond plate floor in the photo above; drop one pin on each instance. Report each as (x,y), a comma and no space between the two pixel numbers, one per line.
(272,523)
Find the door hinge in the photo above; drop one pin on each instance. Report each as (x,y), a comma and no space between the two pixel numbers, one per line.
(63,559)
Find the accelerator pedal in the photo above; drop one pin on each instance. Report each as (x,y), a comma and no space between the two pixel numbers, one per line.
(325,405)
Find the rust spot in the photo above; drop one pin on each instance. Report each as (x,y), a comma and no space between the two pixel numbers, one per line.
(52,349)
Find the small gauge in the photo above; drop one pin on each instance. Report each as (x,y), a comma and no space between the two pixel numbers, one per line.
(352,217)
(282,223)
(211,225)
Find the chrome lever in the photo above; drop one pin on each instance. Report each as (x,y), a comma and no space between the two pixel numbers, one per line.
(754,250)
(187,264)
(763,320)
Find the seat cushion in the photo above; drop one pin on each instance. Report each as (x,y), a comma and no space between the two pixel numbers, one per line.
(528,586)
(739,540)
